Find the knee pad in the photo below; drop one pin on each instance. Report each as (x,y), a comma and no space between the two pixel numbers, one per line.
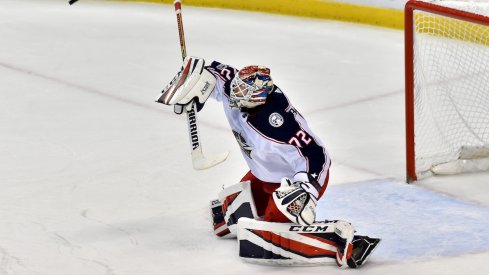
(234,202)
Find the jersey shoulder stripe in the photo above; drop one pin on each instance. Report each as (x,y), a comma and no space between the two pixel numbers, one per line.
(224,72)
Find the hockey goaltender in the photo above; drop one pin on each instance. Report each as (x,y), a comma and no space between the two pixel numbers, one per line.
(271,211)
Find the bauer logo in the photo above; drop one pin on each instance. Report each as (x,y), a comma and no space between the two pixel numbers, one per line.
(276,120)
(308,228)
(206,86)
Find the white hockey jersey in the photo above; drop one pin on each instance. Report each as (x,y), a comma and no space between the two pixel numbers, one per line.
(275,139)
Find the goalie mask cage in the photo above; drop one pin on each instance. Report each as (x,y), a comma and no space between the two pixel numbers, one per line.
(447,87)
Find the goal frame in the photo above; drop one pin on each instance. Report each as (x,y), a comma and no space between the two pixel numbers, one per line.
(409,9)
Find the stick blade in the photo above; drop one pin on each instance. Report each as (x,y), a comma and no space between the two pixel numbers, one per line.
(200,162)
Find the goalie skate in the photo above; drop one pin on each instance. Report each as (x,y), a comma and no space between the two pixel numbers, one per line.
(363,247)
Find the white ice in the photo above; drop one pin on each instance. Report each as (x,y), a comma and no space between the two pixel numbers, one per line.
(96,178)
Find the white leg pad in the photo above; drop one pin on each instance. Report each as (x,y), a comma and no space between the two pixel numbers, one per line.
(291,244)
(237,202)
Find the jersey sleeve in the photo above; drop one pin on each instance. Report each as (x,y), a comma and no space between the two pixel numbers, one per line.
(224,74)
(280,122)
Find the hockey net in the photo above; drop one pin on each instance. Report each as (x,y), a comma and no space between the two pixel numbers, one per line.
(447,87)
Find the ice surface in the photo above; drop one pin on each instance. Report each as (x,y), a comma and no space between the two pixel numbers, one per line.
(414,223)
(96,178)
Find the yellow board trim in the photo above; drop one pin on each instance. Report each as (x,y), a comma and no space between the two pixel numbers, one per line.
(320,9)
(450,28)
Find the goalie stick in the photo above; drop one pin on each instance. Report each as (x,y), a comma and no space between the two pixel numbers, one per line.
(199,161)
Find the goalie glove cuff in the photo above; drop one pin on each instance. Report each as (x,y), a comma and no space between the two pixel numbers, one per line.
(303,180)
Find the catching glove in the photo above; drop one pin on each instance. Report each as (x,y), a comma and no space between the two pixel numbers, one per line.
(297,200)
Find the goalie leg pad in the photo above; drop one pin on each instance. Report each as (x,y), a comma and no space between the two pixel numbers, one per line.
(291,244)
(220,227)
(346,233)
(234,202)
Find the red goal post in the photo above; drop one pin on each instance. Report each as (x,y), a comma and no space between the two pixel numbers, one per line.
(422,79)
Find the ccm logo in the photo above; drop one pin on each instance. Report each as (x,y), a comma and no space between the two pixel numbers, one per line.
(308,228)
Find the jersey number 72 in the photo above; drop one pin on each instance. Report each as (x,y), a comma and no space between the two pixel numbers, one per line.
(300,139)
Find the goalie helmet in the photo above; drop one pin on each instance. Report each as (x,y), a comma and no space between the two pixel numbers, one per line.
(250,87)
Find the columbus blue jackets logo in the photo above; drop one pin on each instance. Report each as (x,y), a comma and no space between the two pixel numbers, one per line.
(276,120)
(242,143)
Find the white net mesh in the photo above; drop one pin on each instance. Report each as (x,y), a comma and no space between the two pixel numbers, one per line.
(451,86)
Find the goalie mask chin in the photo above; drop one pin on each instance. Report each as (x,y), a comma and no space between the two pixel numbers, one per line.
(250,87)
